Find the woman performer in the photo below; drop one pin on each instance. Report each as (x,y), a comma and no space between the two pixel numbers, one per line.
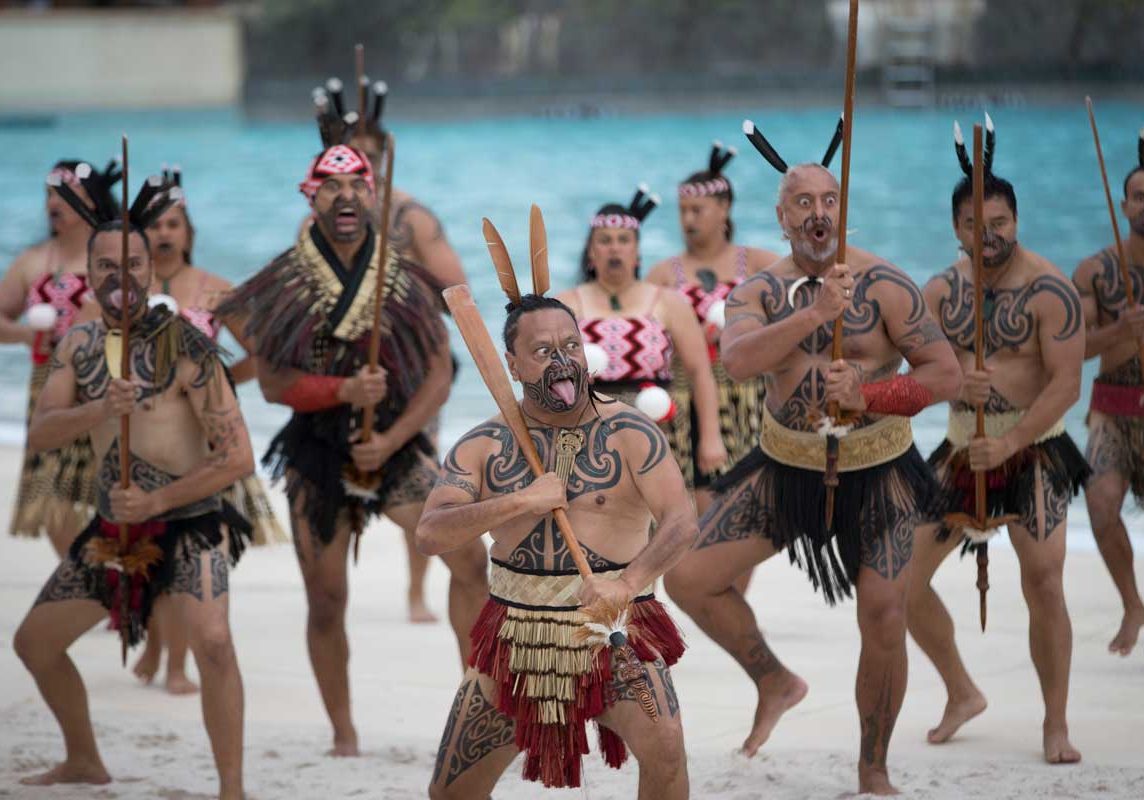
(194,293)
(56,495)
(705,273)
(640,327)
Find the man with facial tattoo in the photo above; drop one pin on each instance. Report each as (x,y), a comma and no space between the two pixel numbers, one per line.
(1116,416)
(533,684)
(779,327)
(309,316)
(188,443)
(1034,346)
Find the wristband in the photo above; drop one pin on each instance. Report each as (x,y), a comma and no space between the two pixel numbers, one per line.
(901,396)
(313,393)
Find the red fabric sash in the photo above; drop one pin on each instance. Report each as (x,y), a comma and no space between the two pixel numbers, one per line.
(1119,401)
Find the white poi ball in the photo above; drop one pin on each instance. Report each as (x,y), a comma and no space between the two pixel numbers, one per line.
(717,314)
(156,300)
(42,316)
(656,403)
(597,358)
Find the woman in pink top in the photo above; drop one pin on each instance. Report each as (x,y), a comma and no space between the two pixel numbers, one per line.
(47,284)
(705,273)
(195,294)
(640,328)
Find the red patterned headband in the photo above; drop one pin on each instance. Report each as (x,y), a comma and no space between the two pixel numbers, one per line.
(615,221)
(704,188)
(340,159)
(65,175)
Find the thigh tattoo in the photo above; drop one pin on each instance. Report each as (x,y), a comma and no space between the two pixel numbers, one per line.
(189,574)
(450,726)
(887,539)
(482,729)
(69,581)
(734,516)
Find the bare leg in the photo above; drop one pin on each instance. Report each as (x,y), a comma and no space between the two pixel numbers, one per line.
(199,603)
(1104,496)
(61,615)
(703,500)
(477,745)
(702,585)
(418,566)
(177,681)
(327,593)
(932,628)
(1050,632)
(147,666)
(657,746)
(468,578)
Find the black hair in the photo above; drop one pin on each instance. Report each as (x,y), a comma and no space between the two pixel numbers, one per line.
(114,226)
(1135,171)
(97,184)
(587,271)
(528,303)
(729,195)
(994,186)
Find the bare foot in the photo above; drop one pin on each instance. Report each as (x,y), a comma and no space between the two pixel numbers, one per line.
(875,781)
(956,714)
(419,613)
(777,695)
(1125,638)
(180,684)
(345,746)
(148,664)
(1058,749)
(68,772)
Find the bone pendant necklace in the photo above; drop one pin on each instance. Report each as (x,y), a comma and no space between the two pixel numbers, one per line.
(569,443)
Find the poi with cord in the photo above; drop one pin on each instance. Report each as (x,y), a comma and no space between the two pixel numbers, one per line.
(605,623)
(980,527)
(1130,298)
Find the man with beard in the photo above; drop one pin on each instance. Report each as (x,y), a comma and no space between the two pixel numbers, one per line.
(779,326)
(1034,348)
(415,233)
(532,684)
(1116,417)
(188,444)
(309,316)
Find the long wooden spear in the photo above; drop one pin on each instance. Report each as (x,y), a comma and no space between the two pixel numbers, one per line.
(125,420)
(1125,274)
(359,484)
(830,476)
(359,70)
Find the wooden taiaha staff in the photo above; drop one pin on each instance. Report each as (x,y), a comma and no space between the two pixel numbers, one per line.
(125,420)
(830,476)
(1125,275)
(359,70)
(369,412)
(980,523)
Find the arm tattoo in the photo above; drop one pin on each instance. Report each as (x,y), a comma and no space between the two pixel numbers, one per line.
(448,478)
(924,333)
(1109,288)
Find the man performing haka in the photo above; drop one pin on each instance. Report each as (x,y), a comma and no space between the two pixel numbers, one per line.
(310,314)
(1116,417)
(188,444)
(415,233)
(1034,345)
(534,681)
(779,327)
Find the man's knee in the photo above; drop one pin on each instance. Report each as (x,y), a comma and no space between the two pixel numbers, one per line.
(30,648)
(1103,501)
(327,604)
(883,623)
(662,753)
(1043,585)
(212,644)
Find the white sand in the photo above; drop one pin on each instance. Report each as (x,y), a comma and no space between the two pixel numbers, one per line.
(404,678)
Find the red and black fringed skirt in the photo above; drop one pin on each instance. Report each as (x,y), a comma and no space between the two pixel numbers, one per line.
(148,566)
(549,682)
(1012,487)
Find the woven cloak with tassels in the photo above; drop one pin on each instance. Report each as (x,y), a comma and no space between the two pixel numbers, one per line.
(308,312)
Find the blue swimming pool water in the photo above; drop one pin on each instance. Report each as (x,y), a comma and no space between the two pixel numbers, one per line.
(241,179)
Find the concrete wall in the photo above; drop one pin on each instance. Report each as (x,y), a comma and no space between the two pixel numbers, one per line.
(70,60)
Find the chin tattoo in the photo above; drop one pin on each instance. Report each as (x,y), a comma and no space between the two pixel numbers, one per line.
(561,368)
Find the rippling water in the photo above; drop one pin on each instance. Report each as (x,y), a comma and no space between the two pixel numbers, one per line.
(241,180)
